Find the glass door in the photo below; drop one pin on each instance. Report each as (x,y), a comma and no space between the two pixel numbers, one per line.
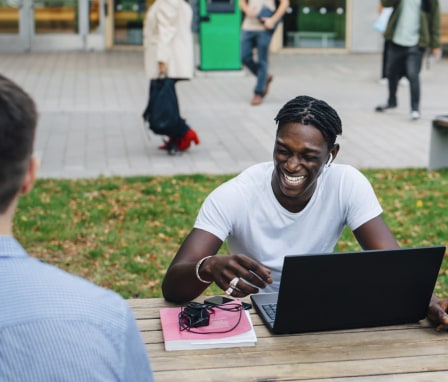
(315,24)
(51,24)
(13,32)
(128,22)
(9,17)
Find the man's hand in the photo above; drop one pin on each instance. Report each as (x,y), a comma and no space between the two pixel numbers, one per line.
(436,53)
(163,69)
(268,23)
(246,274)
(438,313)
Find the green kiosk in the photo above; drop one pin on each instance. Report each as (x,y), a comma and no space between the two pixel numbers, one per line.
(219,35)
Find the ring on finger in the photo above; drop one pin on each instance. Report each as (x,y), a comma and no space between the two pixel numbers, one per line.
(229,291)
(234,282)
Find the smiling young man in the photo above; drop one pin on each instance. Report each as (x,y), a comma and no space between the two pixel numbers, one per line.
(298,203)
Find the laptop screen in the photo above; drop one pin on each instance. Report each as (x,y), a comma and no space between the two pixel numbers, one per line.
(356,289)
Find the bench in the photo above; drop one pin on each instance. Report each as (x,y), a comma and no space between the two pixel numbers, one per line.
(444,29)
(296,38)
(438,147)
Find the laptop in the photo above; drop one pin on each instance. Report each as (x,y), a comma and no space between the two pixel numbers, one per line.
(351,290)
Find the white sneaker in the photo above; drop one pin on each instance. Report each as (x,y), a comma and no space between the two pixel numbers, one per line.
(415,115)
(404,81)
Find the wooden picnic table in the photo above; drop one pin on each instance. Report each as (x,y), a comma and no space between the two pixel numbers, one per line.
(414,352)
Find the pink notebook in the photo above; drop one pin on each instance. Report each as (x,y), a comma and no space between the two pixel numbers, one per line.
(175,339)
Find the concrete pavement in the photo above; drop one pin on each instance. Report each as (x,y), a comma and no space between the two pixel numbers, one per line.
(90,106)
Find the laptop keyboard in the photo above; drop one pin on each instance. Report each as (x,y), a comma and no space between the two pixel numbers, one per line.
(270,310)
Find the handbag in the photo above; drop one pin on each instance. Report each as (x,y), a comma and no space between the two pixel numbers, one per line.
(162,111)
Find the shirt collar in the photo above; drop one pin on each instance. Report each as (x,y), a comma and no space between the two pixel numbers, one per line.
(10,247)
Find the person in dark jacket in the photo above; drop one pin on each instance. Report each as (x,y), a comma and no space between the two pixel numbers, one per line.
(413,27)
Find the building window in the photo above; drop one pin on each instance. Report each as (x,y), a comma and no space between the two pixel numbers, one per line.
(315,24)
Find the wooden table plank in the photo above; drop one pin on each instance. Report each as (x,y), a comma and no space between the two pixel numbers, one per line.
(278,356)
(309,371)
(439,376)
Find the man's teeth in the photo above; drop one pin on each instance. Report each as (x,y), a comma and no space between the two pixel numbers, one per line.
(294,179)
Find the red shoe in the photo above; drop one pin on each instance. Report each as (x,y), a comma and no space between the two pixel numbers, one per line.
(166,144)
(185,141)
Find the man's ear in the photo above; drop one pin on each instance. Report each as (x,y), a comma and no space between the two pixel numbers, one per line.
(334,151)
(30,176)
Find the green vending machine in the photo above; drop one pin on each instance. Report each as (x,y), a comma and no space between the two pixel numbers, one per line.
(219,35)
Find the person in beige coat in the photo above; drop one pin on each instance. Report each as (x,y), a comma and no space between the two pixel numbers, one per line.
(168,43)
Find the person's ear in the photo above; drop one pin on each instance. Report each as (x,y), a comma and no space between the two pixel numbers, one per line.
(334,151)
(30,176)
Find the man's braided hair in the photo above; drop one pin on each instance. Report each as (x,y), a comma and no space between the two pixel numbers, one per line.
(310,111)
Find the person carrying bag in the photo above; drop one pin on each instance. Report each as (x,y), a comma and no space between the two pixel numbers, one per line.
(162,113)
(168,43)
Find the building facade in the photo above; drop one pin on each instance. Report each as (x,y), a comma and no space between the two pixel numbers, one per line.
(45,25)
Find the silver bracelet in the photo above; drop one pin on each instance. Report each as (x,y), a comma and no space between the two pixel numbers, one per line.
(198,266)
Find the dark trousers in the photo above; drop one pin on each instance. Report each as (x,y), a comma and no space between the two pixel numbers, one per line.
(403,61)
(384,59)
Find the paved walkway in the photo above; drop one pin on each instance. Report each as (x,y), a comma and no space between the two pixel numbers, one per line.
(90,107)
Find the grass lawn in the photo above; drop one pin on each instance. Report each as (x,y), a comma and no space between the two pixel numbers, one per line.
(122,233)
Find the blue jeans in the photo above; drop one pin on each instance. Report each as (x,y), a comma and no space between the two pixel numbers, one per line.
(261,41)
(404,61)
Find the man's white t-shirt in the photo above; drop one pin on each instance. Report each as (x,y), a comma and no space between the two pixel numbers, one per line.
(245,211)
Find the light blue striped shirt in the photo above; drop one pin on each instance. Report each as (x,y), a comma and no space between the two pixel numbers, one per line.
(58,327)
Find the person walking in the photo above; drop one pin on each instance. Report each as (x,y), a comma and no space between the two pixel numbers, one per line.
(257,33)
(168,52)
(54,326)
(413,27)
